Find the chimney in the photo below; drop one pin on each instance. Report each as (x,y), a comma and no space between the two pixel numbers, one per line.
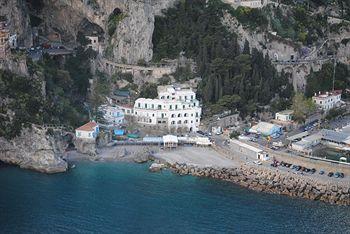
(327,93)
(315,94)
(319,92)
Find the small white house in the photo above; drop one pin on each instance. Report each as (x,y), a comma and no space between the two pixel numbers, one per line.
(13,41)
(89,130)
(284,116)
(94,44)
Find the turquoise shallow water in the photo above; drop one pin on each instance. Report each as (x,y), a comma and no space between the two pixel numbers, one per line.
(126,198)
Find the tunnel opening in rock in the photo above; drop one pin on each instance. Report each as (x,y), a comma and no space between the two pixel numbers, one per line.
(89,33)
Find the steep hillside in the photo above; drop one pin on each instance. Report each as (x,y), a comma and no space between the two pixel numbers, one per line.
(133,23)
(232,77)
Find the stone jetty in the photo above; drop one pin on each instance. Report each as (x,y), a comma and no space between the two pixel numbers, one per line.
(272,181)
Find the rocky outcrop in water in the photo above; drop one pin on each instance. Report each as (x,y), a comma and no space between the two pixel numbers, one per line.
(86,146)
(269,181)
(35,149)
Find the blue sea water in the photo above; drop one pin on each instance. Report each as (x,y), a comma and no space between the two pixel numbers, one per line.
(126,198)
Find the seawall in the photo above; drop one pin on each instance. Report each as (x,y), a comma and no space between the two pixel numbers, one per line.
(272,181)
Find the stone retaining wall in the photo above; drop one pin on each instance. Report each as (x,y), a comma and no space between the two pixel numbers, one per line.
(278,182)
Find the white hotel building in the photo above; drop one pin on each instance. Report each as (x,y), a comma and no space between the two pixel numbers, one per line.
(175,109)
(328,100)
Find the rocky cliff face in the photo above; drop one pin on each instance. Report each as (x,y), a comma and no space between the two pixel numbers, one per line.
(34,149)
(16,14)
(132,40)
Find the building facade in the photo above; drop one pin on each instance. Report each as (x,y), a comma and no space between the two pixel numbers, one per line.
(284,116)
(94,43)
(175,109)
(328,100)
(89,130)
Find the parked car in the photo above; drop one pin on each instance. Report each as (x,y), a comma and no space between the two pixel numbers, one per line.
(330,174)
(321,172)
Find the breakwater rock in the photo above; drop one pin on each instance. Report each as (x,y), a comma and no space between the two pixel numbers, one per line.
(272,181)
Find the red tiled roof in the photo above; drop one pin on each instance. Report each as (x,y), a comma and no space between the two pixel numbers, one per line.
(88,126)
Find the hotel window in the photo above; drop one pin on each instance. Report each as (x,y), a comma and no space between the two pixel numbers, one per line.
(191,97)
(171,107)
(159,107)
(183,107)
(146,105)
(139,105)
(179,115)
(152,106)
(175,107)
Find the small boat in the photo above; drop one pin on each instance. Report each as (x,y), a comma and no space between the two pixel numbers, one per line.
(73,166)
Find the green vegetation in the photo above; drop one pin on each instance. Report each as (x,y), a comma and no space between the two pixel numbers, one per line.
(21,103)
(298,24)
(113,20)
(101,89)
(302,107)
(183,73)
(335,112)
(83,41)
(53,94)
(323,79)
(94,5)
(148,90)
(122,76)
(234,135)
(195,28)
(164,80)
